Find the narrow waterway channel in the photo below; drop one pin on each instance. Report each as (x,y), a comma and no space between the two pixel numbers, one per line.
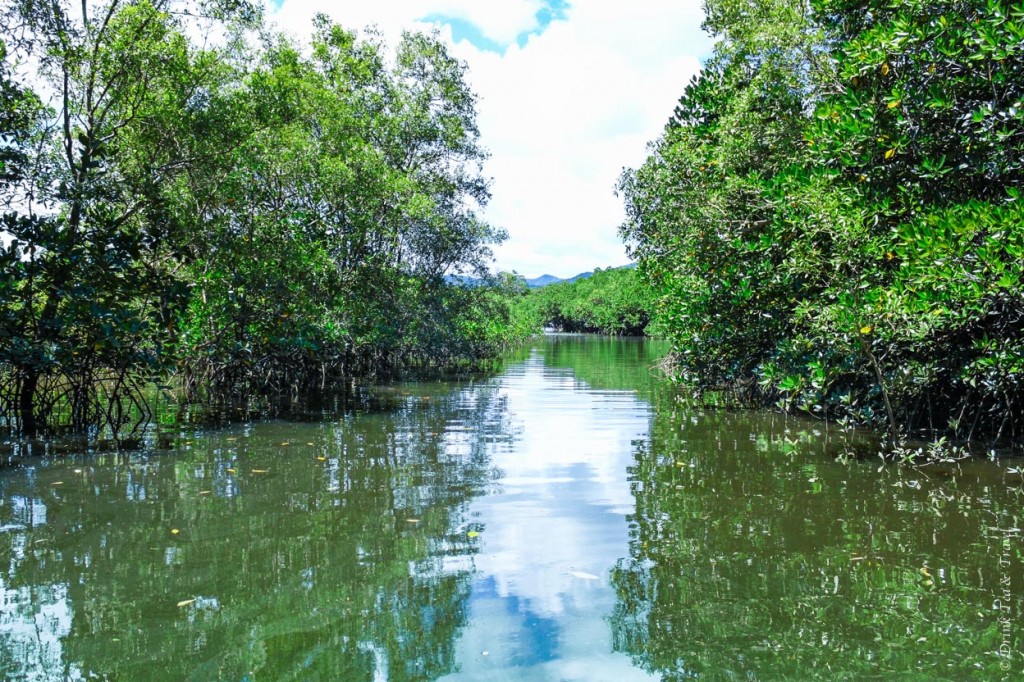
(566,519)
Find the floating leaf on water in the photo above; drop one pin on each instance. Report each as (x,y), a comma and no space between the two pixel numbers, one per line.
(583,576)
(472,534)
(186,602)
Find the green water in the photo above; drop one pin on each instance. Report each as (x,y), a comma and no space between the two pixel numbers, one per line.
(564,520)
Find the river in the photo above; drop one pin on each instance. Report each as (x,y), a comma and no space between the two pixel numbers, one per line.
(566,519)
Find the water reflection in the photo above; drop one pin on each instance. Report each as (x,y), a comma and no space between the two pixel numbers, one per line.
(540,602)
(275,551)
(566,520)
(754,554)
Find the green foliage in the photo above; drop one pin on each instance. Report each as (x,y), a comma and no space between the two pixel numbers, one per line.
(929,112)
(248,217)
(90,293)
(612,301)
(831,220)
(340,268)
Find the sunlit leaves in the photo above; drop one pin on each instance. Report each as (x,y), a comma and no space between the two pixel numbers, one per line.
(248,215)
(853,261)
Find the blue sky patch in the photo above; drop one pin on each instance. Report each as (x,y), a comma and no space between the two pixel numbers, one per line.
(553,10)
(464,30)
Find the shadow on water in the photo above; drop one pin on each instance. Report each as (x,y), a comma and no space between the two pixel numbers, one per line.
(336,549)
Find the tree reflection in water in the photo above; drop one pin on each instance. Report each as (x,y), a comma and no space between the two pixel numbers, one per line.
(336,550)
(755,555)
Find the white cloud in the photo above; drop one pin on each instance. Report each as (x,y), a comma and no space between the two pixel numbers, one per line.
(501,21)
(561,115)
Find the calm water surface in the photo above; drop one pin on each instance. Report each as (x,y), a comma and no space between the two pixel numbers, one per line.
(565,520)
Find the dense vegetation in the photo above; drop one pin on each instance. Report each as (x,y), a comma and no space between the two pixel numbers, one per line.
(833,221)
(612,301)
(237,216)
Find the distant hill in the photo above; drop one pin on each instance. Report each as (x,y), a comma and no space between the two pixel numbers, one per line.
(544,280)
(532,282)
(582,275)
(541,281)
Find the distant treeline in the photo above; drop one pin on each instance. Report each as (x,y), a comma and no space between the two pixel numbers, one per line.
(612,301)
(234,217)
(833,219)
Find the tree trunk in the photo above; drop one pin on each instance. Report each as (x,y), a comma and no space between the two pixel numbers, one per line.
(27,425)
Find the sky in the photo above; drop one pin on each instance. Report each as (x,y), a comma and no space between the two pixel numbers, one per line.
(570,93)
